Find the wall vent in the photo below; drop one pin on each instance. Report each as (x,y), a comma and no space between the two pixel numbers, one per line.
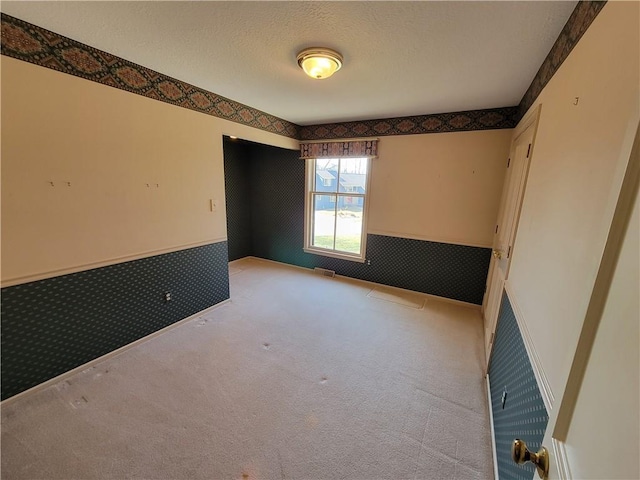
(324,272)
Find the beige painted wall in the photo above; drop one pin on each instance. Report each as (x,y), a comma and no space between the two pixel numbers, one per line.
(577,166)
(109,144)
(606,446)
(439,187)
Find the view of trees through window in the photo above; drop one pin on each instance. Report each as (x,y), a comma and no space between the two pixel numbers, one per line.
(338,200)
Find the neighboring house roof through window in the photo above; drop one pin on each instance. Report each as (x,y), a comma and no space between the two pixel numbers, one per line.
(353,179)
(325,174)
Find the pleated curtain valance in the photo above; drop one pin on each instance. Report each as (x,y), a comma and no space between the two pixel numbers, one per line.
(340,149)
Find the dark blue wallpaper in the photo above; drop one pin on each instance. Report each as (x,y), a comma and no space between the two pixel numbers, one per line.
(237,184)
(277,186)
(524,415)
(52,326)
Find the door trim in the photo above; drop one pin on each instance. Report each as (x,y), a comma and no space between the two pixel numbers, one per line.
(561,459)
(532,117)
(599,294)
(530,120)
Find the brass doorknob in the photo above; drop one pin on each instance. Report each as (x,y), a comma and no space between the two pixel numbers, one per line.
(521,454)
(497,254)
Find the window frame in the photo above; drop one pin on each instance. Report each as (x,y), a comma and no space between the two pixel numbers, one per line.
(310,171)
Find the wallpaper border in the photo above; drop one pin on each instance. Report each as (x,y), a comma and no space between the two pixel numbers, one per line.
(30,43)
(488,119)
(27,42)
(579,21)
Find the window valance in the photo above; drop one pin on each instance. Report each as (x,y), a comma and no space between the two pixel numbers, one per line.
(340,149)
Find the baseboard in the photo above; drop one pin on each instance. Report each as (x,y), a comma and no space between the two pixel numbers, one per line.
(266,260)
(541,378)
(494,450)
(63,376)
(367,282)
(233,262)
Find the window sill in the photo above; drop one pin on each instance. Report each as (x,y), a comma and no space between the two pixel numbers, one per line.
(341,256)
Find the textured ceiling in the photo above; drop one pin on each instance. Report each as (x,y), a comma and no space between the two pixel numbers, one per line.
(400,58)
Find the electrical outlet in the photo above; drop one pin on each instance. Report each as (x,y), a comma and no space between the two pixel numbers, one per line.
(368,262)
(167,297)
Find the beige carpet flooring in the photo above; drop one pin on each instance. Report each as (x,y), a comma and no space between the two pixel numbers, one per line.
(298,377)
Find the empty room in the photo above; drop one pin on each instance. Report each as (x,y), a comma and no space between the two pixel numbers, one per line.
(320,240)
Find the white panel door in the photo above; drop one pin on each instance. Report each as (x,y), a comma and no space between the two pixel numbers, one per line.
(506,227)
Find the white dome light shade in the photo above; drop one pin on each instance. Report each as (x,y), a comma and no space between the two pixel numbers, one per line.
(319,63)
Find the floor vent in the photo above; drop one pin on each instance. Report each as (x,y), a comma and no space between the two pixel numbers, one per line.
(325,272)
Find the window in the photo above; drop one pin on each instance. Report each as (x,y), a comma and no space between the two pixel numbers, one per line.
(335,224)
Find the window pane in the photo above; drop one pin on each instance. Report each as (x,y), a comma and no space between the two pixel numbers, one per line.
(337,201)
(353,175)
(349,224)
(326,175)
(324,217)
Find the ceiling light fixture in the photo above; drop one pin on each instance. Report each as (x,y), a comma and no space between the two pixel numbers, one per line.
(319,63)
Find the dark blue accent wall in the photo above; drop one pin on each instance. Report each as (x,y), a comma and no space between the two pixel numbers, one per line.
(277,191)
(52,326)
(524,415)
(237,184)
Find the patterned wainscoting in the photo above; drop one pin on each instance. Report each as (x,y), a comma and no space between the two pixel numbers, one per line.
(277,178)
(52,326)
(524,415)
